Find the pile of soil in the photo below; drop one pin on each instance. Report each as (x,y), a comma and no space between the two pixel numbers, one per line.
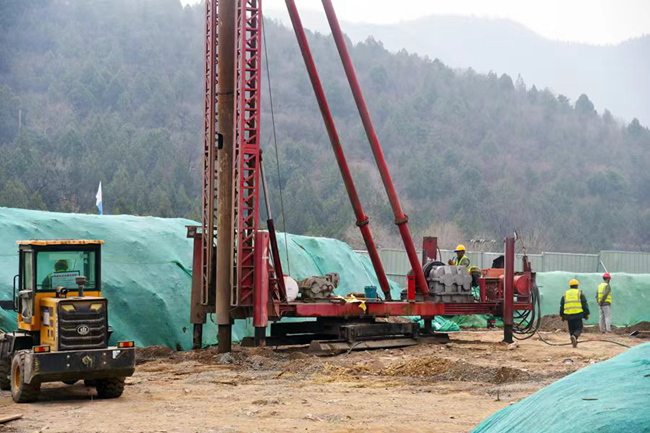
(340,372)
(418,367)
(464,372)
(432,368)
(552,322)
(255,358)
(641,326)
(151,353)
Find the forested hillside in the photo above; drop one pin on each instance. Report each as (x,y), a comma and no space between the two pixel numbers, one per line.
(111,91)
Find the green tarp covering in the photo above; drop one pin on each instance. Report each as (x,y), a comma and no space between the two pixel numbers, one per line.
(146,270)
(611,396)
(474,321)
(147,273)
(630,295)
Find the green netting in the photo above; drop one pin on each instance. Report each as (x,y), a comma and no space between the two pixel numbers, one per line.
(611,396)
(630,295)
(439,324)
(146,272)
(474,321)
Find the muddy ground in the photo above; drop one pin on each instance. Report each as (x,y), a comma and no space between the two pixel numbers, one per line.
(429,387)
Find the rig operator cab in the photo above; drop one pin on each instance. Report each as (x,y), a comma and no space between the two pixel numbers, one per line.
(63,330)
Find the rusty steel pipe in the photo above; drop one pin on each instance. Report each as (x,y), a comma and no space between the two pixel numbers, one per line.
(401,219)
(362,219)
(226,28)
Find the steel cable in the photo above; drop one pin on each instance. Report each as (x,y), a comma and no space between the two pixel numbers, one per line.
(275,145)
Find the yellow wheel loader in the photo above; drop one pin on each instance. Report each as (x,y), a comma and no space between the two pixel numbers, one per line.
(63,327)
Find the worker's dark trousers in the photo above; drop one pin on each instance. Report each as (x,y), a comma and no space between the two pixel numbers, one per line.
(575,327)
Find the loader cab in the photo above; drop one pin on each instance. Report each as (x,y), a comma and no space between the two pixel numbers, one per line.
(51,269)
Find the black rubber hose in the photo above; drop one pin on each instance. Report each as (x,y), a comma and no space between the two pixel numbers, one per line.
(529,321)
(581,342)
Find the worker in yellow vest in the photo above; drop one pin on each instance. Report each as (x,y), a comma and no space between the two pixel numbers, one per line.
(604,298)
(574,308)
(461,259)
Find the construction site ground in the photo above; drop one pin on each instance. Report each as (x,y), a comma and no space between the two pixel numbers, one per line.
(428,387)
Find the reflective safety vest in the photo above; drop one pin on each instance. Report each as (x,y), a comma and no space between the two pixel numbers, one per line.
(572,302)
(601,291)
(463,261)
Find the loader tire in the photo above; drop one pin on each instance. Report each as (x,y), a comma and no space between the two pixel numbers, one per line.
(22,392)
(110,388)
(5,372)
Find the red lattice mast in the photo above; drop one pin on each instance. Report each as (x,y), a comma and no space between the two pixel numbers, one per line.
(209,211)
(247,148)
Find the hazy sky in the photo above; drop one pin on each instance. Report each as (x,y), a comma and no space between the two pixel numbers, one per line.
(588,21)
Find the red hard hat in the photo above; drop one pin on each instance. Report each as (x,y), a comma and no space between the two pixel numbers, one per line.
(606,275)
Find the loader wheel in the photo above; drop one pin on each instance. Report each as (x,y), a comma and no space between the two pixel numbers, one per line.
(5,372)
(110,388)
(22,392)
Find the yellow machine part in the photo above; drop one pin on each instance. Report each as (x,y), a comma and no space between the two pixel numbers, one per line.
(42,297)
(49,319)
(41,242)
(49,308)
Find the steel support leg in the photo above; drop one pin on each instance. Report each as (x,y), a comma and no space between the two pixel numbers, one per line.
(260,336)
(508,295)
(224,338)
(428,326)
(197,337)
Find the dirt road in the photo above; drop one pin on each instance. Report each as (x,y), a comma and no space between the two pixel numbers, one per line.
(447,388)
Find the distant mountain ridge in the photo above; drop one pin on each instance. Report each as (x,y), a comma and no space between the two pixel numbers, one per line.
(614,77)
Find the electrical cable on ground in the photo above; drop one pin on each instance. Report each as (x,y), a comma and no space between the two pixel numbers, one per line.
(581,342)
(353,346)
(275,144)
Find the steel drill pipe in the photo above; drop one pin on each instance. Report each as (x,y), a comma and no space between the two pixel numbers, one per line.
(362,219)
(401,219)
(226,123)
(509,290)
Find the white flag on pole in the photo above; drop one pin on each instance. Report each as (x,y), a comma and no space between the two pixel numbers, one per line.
(98,202)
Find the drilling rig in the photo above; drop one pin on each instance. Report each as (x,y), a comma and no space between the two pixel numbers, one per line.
(237,268)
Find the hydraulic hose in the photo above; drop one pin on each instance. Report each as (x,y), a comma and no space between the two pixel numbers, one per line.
(527,323)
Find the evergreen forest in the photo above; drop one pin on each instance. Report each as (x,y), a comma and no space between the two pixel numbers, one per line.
(111,91)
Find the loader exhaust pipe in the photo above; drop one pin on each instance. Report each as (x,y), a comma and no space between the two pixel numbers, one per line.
(81,282)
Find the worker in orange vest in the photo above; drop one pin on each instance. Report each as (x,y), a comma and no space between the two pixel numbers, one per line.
(574,308)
